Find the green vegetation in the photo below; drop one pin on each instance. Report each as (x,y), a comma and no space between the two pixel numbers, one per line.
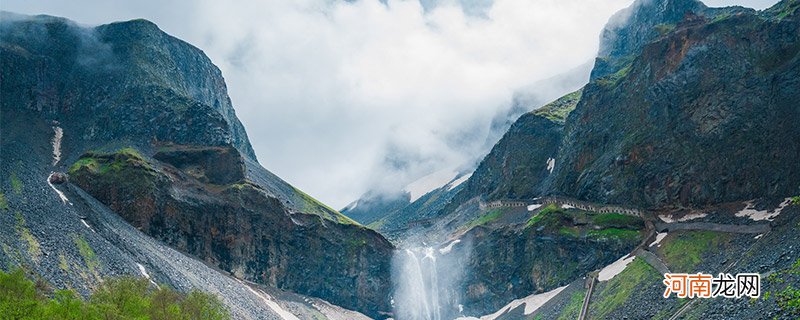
(573,308)
(3,201)
(559,110)
(623,287)
(683,252)
(98,162)
(795,201)
(575,223)
(89,257)
(549,210)
(121,298)
(614,233)
(788,298)
(613,80)
(16,183)
(311,205)
(570,231)
(721,17)
(486,218)
(615,220)
(34,249)
(664,28)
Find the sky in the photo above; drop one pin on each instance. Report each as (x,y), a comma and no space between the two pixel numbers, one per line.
(342,97)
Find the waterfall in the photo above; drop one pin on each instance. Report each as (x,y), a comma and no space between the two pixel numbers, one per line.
(426,283)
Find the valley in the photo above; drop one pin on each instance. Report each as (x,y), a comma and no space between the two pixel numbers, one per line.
(123,156)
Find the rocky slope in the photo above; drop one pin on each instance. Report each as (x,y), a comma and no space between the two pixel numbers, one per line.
(146,121)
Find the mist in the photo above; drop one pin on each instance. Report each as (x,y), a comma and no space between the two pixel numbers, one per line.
(342,97)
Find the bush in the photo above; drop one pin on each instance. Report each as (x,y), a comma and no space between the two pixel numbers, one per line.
(118,298)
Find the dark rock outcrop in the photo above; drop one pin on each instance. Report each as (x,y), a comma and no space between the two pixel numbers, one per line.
(705,114)
(238,227)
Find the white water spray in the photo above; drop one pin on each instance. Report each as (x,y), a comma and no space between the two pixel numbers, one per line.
(427,282)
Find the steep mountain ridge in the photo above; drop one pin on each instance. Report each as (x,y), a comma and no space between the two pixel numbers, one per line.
(148,124)
(705,114)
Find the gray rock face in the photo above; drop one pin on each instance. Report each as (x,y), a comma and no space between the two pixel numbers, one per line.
(117,80)
(705,114)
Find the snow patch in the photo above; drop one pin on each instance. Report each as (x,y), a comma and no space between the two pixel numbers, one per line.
(87,225)
(758,236)
(551,164)
(59,133)
(428,183)
(458,182)
(671,218)
(659,237)
(449,247)
(146,275)
(534,207)
(285,315)
(532,303)
(615,268)
(759,215)
(60,194)
(143,270)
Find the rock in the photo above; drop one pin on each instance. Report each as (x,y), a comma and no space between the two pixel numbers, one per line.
(58,178)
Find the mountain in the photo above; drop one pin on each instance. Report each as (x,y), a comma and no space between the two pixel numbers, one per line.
(142,125)
(390,212)
(704,114)
(689,116)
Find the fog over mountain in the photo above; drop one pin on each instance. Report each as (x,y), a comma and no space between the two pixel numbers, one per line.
(341,97)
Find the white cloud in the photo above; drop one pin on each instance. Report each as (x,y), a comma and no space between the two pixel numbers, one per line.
(339,97)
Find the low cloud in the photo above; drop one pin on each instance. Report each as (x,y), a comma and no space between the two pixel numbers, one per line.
(343,97)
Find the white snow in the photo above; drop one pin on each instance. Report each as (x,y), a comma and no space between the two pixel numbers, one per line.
(147,275)
(458,182)
(87,225)
(758,236)
(143,270)
(449,247)
(551,164)
(60,194)
(534,207)
(429,183)
(285,315)
(532,303)
(615,268)
(659,237)
(759,215)
(671,218)
(59,133)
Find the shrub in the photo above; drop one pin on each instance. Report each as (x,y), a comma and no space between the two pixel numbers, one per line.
(117,298)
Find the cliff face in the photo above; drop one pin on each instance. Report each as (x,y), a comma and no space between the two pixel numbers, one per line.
(200,205)
(704,114)
(117,80)
(146,120)
(520,162)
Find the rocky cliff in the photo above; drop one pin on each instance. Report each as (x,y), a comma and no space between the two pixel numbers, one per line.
(144,123)
(704,114)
